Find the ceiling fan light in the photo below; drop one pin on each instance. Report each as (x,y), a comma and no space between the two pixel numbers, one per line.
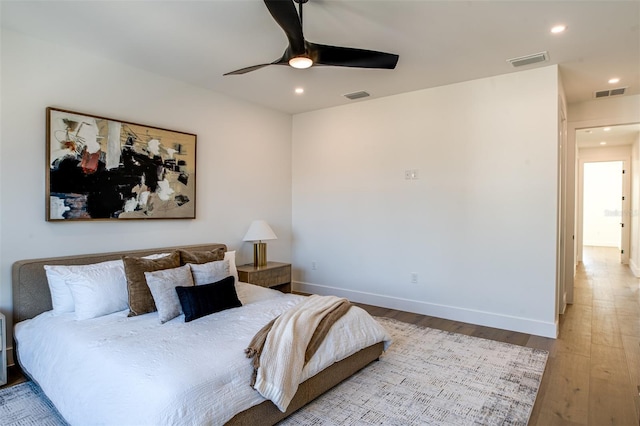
(300,62)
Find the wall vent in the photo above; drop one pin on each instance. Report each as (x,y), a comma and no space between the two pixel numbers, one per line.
(356,95)
(529,59)
(609,92)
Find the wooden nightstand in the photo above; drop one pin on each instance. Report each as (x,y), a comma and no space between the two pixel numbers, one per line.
(274,275)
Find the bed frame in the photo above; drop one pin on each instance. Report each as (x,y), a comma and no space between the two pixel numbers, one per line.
(31,297)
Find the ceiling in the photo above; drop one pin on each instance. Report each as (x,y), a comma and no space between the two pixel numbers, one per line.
(625,134)
(439,42)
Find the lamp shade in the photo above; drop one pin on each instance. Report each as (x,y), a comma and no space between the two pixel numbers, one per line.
(259,230)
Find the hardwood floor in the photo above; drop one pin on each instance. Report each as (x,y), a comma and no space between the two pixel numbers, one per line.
(592,375)
(14,376)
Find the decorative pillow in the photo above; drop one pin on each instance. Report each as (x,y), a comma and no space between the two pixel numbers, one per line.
(202,300)
(98,291)
(198,257)
(61,297)
(162,284)
(140,298)
(231,257)
(210,272)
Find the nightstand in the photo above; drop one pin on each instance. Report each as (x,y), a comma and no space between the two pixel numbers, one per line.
(3,350)
(274,275)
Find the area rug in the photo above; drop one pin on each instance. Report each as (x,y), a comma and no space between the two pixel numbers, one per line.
(26,405)
(427,377)
(433,377)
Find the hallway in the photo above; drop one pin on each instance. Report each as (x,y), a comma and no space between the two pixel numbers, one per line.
(593,372)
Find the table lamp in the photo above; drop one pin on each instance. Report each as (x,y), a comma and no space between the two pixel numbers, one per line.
(259,231)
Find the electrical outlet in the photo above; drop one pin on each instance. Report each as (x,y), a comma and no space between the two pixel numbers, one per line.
(411,174)
(314,265)
(414,278)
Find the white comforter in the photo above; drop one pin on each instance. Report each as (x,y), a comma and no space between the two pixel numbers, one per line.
(116,370)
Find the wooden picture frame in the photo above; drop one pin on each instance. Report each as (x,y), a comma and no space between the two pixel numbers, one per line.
(103,169)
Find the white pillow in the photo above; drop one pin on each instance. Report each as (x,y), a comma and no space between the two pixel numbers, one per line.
(57,275)
(211,272)
(61,297)
(98,290)
(163,285)
(231,257)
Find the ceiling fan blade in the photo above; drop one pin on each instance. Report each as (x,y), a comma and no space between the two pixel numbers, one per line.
(351,57)
(281,61)
(247,69)
(285,14)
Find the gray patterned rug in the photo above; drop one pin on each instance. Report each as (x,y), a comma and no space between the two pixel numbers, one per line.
(427,377)
(26,405)
(433,377)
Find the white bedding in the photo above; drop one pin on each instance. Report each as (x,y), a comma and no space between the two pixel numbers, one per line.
(117,370)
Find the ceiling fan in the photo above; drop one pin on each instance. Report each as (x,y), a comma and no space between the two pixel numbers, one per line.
(303,54)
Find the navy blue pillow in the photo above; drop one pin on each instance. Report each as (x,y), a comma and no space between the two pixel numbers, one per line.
(201,300)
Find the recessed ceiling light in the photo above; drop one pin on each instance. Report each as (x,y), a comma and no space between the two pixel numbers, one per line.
(558,29)
(299,90)
(606,129)
(603,143)
(614,80)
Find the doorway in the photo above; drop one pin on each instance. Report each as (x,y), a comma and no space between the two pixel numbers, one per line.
(596,146)
(621,143)
(602,204)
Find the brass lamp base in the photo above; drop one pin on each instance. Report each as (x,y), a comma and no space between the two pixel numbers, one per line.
(259,254)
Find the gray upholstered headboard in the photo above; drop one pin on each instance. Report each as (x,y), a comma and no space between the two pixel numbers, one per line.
(31,294)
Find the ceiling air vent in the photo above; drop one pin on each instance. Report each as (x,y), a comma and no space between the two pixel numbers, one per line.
(529,59)
(609,92)
(356,95)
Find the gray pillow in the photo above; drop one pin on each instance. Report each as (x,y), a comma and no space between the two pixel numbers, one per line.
(162,285)
(210,272)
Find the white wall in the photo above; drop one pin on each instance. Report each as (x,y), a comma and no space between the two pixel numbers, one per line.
(243,169)
(634,258)
(566,202)
(602,205)
(478,226)
(606,111)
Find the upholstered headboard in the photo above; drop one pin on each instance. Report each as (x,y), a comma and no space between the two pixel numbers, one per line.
(31,294)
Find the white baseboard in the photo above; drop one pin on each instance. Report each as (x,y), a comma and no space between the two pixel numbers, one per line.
(487,319)
(634,268)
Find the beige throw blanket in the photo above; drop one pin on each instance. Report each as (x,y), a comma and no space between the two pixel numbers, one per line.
(281,349)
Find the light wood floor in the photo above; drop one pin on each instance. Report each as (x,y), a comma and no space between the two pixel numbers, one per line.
(592,375)
(593,372)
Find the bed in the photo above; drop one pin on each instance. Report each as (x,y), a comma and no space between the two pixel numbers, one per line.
(116,369)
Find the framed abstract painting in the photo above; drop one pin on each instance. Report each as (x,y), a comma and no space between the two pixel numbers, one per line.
(104,169)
